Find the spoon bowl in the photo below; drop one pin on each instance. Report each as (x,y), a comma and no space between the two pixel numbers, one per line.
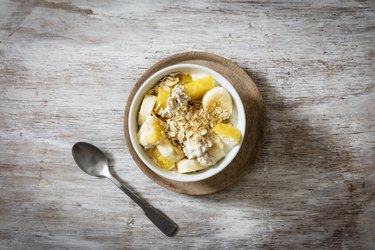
(90,159)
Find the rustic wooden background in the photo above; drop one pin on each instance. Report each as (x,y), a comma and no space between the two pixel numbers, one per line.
(66,69)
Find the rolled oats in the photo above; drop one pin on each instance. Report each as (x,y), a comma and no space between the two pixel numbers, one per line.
(186,123)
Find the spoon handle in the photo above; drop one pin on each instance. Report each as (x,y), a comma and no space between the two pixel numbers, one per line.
(162,221)
(141,202)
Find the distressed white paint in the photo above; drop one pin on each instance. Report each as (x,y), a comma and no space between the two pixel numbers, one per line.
(66,74)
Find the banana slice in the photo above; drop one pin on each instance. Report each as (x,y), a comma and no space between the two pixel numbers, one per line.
(219,97)
(161,160)
(147,106)
(229,135)
(217,150)
(187,166)
(150,132)
(169,151)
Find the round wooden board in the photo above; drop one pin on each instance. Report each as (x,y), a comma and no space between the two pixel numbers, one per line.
(255,123)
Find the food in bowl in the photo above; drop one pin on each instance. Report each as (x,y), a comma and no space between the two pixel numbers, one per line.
(184,123)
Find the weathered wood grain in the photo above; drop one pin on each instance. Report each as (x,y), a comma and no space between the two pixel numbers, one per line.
(66,70)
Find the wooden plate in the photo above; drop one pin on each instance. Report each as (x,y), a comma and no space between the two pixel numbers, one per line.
(255,123)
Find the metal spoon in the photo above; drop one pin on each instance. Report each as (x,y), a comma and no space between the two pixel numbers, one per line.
(94,162)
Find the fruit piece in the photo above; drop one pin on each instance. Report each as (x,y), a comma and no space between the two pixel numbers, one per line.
(161,99)
(186,78)
(161,160)
(229,135)
(219,97)
(150,132)
(197,88)
(169,151)
(217,150)
(187,166)
(146,108)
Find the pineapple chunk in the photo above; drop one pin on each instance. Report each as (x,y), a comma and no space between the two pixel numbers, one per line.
(161,160)
(197,88)
(150,132)
(186,78)
(229,135)
(161,99)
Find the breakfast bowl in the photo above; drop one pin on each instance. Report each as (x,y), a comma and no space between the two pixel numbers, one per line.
(237,119)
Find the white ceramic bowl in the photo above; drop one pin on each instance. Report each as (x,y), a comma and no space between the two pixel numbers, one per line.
(238,119)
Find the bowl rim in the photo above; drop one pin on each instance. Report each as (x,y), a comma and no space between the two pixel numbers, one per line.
(133,125)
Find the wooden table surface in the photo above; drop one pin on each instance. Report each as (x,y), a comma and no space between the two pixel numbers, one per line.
(66,70)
